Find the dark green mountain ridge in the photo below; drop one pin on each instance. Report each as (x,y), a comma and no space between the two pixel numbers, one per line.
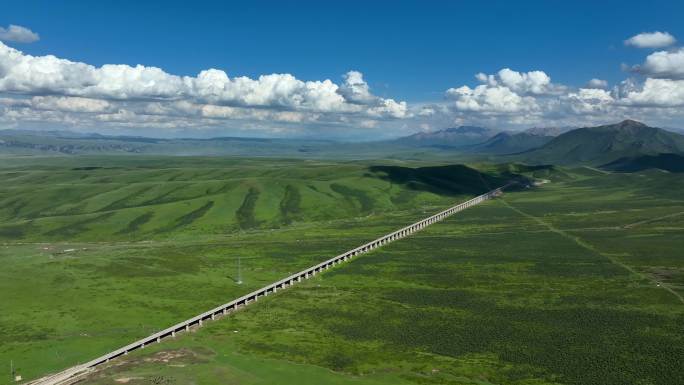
(604,144)
(510,143)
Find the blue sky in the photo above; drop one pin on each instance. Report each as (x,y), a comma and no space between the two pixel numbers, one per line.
(412,52)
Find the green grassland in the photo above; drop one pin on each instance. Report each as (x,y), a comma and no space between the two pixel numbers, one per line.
(99,251)
(136,198)
(577,281)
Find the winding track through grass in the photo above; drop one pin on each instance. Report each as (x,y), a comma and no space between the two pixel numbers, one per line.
(650,220)
(597,170)
(580,242)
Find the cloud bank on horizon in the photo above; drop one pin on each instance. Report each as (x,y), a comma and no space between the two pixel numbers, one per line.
(60,93)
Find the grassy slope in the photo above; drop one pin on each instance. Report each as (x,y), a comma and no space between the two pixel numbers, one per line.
(561,284)
(100,251)
(666,162)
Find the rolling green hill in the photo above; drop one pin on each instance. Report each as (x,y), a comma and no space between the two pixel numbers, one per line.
(604,144)
(100,198)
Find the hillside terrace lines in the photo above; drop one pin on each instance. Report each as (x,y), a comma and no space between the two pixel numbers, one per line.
(68,375)
(651,220)
(118,203)
(124,202)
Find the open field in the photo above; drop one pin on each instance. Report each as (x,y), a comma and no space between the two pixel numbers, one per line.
(578,281)
(96,256)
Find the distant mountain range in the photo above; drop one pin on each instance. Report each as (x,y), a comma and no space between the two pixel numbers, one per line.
(456,137)
(464,139)
(628,145)
(633,143)
(604,144)
(510,143)
(548,131)
(472,139)
(21,142)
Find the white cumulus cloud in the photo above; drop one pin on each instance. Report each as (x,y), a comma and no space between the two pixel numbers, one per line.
(532,82)
(651,40)
(355,89)
(21,73)
(662,93)
(507,92)
(490,99)
(57,92)
(590,101)
(145,94)
(512,98)
(390,108)
(663,64)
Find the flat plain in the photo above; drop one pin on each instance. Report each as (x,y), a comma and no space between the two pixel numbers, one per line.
(576,281)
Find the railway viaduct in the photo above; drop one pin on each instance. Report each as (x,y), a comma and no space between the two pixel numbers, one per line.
(72,374)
